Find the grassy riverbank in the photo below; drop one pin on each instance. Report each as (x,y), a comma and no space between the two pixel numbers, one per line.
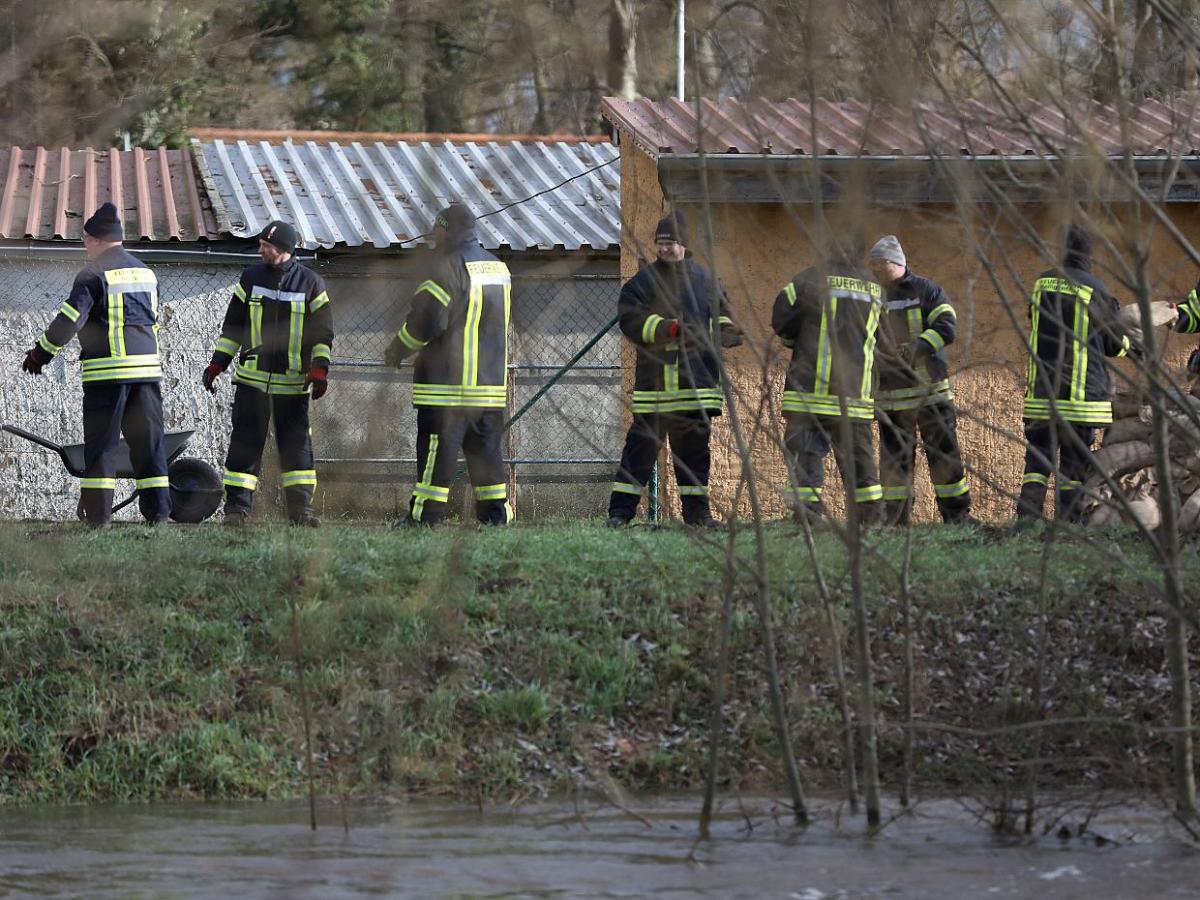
(138,665)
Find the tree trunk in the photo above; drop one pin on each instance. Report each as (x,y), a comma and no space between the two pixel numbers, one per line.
(622,48)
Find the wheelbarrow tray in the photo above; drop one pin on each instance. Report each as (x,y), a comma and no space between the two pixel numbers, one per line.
(72,454)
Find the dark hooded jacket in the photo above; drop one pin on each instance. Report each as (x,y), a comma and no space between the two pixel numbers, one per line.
(458,328)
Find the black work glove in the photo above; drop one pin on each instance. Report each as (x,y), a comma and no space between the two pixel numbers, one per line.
(913,352)
(1193,365)
(732,336)
(396,353)
(34,360)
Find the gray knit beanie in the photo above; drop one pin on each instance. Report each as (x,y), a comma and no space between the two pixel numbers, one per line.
(888,248)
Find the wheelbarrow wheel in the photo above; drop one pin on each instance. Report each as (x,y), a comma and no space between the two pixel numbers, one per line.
(195,490)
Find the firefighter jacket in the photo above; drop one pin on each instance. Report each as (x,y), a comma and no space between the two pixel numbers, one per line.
(680,374)
(458,327)
(1189,312)
(113,307)
(915,310)
(279,325)
(829,317)
(1074,326)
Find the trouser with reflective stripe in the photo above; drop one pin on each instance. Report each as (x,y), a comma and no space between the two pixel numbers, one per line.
(443,431)
(1073,465)
(133,409)
(807,441)
(938,429)
(688,433)
(253,411)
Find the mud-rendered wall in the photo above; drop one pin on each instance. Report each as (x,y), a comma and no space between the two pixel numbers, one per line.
(756,248)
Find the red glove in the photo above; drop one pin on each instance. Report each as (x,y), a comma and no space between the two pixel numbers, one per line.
(34,360)
(318,378)
(210,376)
(673,330)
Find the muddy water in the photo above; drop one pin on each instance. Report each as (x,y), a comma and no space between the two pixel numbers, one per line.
(428,850)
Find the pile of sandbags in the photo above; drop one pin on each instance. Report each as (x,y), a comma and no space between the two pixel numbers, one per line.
(1127,456)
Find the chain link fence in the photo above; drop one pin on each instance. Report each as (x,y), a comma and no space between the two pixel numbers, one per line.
(561,451)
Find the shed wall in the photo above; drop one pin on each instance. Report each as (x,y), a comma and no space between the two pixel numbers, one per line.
(756,248)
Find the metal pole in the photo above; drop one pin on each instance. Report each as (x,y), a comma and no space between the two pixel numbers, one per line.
(679,48)
(652,494)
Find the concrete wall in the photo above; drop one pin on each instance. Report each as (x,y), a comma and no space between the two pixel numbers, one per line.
(757,248)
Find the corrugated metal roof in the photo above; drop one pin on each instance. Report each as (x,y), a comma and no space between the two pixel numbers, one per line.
(567,194)
(48,194)
(851,128)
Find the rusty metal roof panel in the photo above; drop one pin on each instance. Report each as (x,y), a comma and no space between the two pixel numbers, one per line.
(528,193)
(48,193)
(854,128)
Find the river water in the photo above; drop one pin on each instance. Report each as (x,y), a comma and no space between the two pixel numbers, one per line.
(422,849)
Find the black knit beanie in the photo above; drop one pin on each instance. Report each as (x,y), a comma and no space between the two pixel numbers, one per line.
(1079,243)
(105,224)
(280,235)
(672,227)
(456,219)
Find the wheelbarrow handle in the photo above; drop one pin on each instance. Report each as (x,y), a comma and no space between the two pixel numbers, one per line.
(35,438)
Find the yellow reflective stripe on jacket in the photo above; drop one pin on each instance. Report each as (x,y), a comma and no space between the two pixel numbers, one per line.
(239,292)
(69,311)
(228,346)
(1097,412)
(826,405)
(913,320)
(321,351)
(49,346)
(789,291)
(933,339)
(824,348)
(937,312)
(116,324)
(270,382)
(868,381)
(649,327)
(116,362)
(408,340)
(154,481)
(911,398)
(485,396)
(435,290)
(470,347)
(295,336)
(1079,347)
(127,368)
(317,302)
(1035,320)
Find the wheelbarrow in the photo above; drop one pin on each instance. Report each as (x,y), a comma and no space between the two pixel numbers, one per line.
(195,485)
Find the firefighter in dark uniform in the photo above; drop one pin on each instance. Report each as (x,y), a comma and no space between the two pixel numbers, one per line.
(828,315)
(280,328)
(458,330)
(1188,322)
(113,307)
(676,314)
(1074,328)
(913,396)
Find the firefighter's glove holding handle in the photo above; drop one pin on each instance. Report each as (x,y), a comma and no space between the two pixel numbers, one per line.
(211,372)
(318,379)
(395,353)
(34,360)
